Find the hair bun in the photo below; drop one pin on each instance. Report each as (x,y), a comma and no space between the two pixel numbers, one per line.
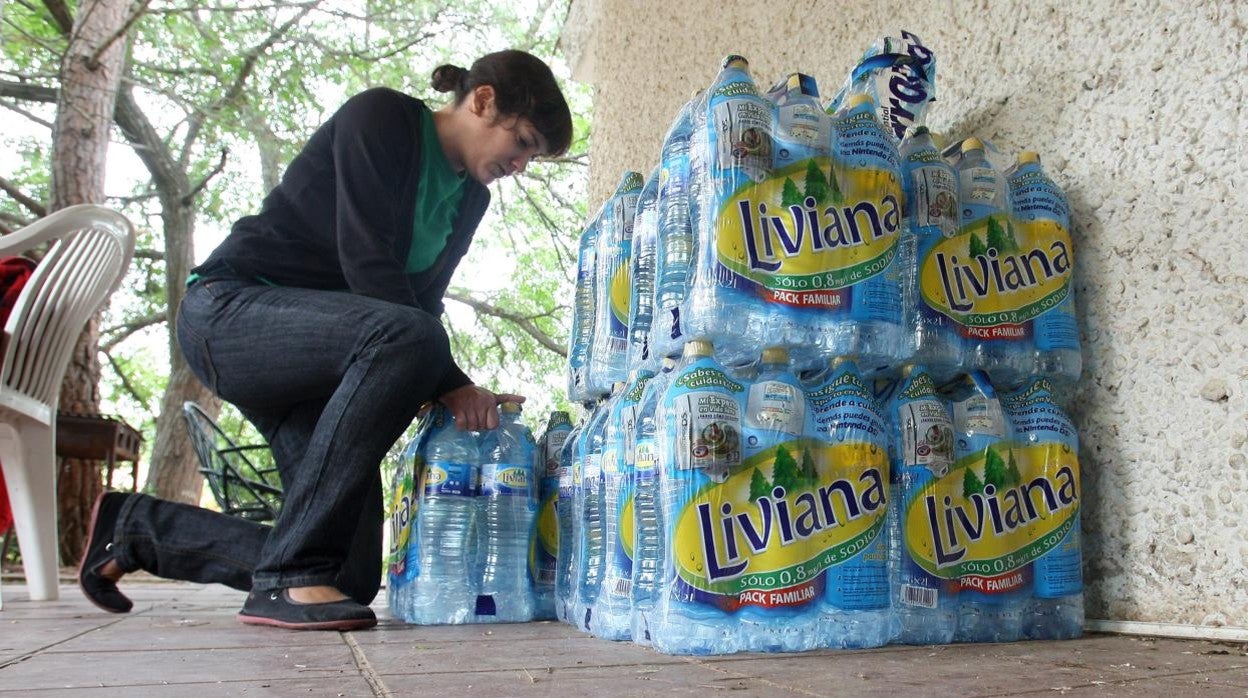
(448,78)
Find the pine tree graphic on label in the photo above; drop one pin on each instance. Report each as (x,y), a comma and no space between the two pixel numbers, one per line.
(784,471)
(816,182)
(977,247)
(834,189)
(994,470)
(971,484)
(759,487)
(999,239)
(791,196)
(808,468)
(1016,477)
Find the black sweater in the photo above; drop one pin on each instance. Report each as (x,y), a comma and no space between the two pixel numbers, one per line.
(342,216)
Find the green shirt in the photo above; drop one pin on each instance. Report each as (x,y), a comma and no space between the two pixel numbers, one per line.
(437,200)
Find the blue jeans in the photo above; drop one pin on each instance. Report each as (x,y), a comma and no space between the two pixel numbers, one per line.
(331,379)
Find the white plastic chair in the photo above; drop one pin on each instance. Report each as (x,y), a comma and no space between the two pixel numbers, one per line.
(86,264)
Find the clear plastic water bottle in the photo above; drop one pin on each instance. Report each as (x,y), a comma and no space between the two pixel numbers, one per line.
(775,427)
(699,450)
(1039,204)
(931,187)
(404,554)
(1005,351)
(647,527)
(990,606)
(855,609)
(803,145)
(588,510)
(874,222)
(675,241)
(581,337)
(445,591)
(926,604)
(608,353)
(1049,451)
(641,300)
(739,155)
(565,561)
(506,519)
(613,611)
(546,543)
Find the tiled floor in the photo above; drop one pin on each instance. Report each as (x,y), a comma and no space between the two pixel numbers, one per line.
(182,639)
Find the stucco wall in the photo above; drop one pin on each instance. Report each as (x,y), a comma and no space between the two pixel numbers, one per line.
(1138,111)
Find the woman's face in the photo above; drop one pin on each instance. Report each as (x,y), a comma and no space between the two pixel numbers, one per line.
(501,145)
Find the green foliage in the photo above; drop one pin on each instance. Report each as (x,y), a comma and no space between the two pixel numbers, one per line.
(809,472)
(999,238)
(1014,477)
(834,188)
(231,88)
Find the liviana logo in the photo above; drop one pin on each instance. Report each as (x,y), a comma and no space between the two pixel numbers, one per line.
(511,478)
(998,270)
(995,512)
(436,475)
(765,535)
(815,227)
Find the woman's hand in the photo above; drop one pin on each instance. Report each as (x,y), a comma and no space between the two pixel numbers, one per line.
(475,408)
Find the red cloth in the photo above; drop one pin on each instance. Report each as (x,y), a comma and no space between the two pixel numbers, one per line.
(14,271)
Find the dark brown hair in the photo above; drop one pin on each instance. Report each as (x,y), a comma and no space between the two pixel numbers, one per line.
(523,87)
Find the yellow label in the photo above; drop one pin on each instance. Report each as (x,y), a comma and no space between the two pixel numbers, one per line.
(998,270)
(995,511)
(621,290)
(627,535)
(812,227)
(775,523)
(548,526)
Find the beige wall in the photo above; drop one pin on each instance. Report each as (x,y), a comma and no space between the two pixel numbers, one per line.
(1138,110)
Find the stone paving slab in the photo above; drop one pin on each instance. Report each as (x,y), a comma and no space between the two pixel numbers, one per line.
(183,640)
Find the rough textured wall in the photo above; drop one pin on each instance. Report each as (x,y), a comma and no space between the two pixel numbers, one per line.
(1138,111)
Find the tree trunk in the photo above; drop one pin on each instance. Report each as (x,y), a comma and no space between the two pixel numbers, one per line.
(90,73)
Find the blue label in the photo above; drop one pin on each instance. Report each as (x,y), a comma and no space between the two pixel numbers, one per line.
(505,479)
(444,478)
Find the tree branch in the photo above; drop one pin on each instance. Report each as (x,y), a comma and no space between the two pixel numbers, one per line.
(526,324)
(94,61)
(189,197)
(125,380)
(60,12)
(31,205)
(125,330)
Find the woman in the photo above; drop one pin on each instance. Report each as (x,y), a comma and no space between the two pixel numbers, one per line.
(319,319)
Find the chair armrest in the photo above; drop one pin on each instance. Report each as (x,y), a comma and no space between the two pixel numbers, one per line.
(54,225)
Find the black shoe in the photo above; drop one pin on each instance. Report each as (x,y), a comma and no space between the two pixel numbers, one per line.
(99,590)
(275,607)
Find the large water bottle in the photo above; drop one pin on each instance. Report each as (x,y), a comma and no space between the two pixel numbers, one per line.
(991,603)
(1040,206)
(445,591)
(506,519)
(583,313)
(872,229)
(926,604)
(641,297)
(700,449)
(545,554)
(647,527)
(565,561)
(608,354)
(1003,349)
(931,187)
(778,439)
(613,611)
(588,510)
(675,241)
(1050,465)
(803,144)
(740,146)
(855,609)
(404,554)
